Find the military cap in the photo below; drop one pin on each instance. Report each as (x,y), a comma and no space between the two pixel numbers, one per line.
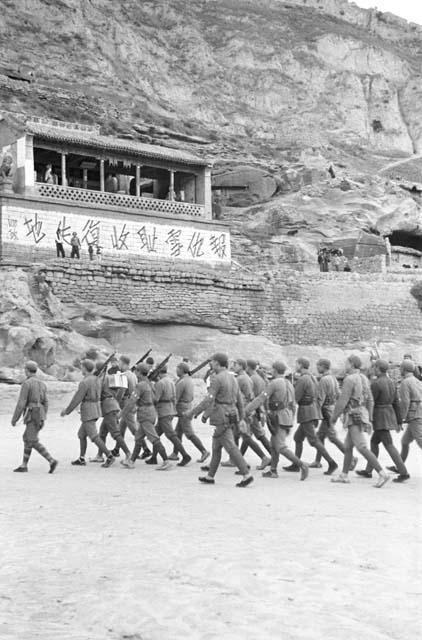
(183,366)
(31,366)
(382,365)
(252,364)
(408,366)
(142,369)
(241,362)
(304,362)
(89,365)
(279,366)
(355,361)
(222,359)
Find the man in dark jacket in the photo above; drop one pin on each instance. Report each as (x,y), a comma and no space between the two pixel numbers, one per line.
(308,415)
(386,417)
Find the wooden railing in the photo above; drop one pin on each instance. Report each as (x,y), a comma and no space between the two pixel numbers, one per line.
(104,198)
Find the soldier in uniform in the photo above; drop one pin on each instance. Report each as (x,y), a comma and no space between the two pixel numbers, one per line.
(110,410)
(165,402)
(410,394)
(88,397)
(257,428)
(280,399)
(386,417)
(308,415)
(328,392)
(33,405)
(253,425)
(224,406)
(356,402)
(184,399)
(142,400)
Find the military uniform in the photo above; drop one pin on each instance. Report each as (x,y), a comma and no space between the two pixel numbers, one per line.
(225,407)
(184,399)
(33,405)
(88,396)
(386,417)
(165,402)
(328,392)
(356,402)
(129,420)
(110,409)
(247,384)
(279,397)
(410,393)
(308,415)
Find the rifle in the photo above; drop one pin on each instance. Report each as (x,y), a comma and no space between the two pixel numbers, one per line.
(144,357)
(200,366)
(153,375)
(103,367)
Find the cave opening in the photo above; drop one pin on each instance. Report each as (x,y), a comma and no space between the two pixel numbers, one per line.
(406,239)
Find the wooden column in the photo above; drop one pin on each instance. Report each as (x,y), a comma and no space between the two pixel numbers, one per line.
(64,180)
(171,187)
(138,180)
(85,178)
(102,182)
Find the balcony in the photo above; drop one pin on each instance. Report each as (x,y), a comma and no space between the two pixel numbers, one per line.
(106,199)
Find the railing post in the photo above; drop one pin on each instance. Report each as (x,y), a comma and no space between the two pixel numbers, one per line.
(102,183)
(138,180)
(171,187)
(64,180)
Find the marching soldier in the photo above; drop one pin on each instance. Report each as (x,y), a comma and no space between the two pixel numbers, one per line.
(410,393)
(328,392)
(224,405)
(33,405)
(88,397)
(165,402)
(386,417)
(357,404)
(308,415)
(184,399)
(142,401)
(280,399)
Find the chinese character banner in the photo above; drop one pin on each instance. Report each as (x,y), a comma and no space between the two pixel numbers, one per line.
(44,228)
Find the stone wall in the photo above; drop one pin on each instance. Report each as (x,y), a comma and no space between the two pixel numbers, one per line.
(295,308)
(340,308)
(162,292)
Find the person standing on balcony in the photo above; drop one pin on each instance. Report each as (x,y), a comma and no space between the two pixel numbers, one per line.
(48,175)
(76,246)
(59,243)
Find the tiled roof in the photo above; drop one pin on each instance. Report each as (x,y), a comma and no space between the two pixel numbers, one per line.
(94,140)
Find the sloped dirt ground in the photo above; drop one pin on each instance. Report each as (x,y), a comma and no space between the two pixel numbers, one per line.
(91,554)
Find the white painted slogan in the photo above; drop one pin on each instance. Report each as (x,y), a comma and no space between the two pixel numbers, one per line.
(34,228)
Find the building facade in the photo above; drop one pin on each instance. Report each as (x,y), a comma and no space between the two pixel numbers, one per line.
(118,195)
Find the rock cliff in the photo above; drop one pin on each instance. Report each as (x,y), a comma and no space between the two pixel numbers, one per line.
(257,76)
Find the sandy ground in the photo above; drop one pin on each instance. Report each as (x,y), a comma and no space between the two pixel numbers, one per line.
(95,554)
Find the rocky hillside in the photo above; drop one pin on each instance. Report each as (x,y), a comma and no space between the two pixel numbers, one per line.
(258,79)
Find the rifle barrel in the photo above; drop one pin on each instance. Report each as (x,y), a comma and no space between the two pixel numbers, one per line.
(200,366)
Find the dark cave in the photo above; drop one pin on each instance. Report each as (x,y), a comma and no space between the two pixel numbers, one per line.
(405,239)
